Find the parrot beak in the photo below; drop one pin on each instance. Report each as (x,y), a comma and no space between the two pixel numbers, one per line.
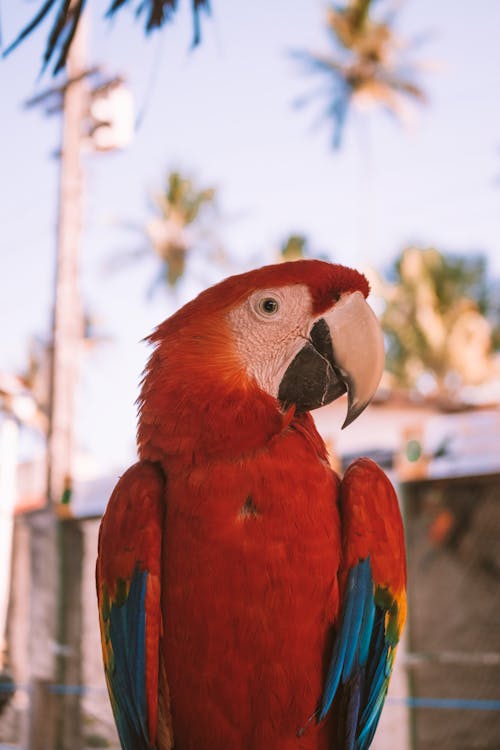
(345,353)
(358,350)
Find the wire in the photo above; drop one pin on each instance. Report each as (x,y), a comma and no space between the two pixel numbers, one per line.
(462,704)
(151,83)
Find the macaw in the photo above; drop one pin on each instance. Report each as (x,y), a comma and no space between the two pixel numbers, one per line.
(249,598)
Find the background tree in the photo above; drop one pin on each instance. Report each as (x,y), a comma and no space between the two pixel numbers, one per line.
(295,246)
(181,211)
(184,216)
(369,65)
(440,321)
(67,16)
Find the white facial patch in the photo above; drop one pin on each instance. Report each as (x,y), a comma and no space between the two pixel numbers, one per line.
(270,327)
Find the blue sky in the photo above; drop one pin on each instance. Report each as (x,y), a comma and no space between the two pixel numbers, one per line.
(224,114)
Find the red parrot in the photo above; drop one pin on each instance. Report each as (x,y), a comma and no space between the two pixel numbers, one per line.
(250,599)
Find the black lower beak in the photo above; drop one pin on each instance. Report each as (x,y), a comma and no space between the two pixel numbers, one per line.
(312,380)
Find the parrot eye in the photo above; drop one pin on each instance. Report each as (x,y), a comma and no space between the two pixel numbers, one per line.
(269,306)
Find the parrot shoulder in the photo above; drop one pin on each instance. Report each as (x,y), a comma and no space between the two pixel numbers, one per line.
(128,577)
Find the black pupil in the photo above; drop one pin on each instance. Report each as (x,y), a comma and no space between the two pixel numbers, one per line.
(269,305)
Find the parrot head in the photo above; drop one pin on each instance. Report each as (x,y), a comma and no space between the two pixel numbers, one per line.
(284,338)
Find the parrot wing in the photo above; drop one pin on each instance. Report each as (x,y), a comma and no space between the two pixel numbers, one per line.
(373,582)
(128,576)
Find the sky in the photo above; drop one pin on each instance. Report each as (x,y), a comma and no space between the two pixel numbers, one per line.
(224,114)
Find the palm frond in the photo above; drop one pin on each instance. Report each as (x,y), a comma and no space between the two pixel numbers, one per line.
(368,63)
(120,260)
(317,63)
(158,12)
(65,35)
(29,28)
(294,247)
(407,87)
(65,25)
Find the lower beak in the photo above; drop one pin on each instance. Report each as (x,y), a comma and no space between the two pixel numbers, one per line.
(345,354)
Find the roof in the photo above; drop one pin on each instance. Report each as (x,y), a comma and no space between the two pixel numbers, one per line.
(89,494)
(460,444)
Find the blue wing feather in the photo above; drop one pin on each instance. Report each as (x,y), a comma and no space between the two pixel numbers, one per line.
(361,579)
(354,631)
(361,661)
(340,646)
(127,676)
(367,625)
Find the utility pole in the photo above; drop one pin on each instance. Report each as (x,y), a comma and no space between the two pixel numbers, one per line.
(67,323)
(67,340)
(57,542)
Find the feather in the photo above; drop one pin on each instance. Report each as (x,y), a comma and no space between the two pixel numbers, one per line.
(127,633)
(372,613)
(128,586)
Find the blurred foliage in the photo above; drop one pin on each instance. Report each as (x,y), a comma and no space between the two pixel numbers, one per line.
(369,65)
(68,15)
(441,320)
(184,217)
(35,376)
(294,247)
(180,209)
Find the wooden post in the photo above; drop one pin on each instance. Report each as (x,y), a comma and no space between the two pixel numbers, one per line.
(67,338)
(69,657)
(43,709)
(67,325)
(57,543)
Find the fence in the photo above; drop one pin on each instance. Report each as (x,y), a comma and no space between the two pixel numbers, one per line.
(453,545)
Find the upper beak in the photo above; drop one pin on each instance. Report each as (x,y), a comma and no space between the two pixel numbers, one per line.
(358,350)
(345,352)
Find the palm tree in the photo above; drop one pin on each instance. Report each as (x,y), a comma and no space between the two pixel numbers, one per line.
(183,219)
(368,66)
(436,321)
(295,246)
(68,15)
(181,209)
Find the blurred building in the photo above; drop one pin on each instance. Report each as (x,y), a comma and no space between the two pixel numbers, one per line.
(452,514)
(87,504)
